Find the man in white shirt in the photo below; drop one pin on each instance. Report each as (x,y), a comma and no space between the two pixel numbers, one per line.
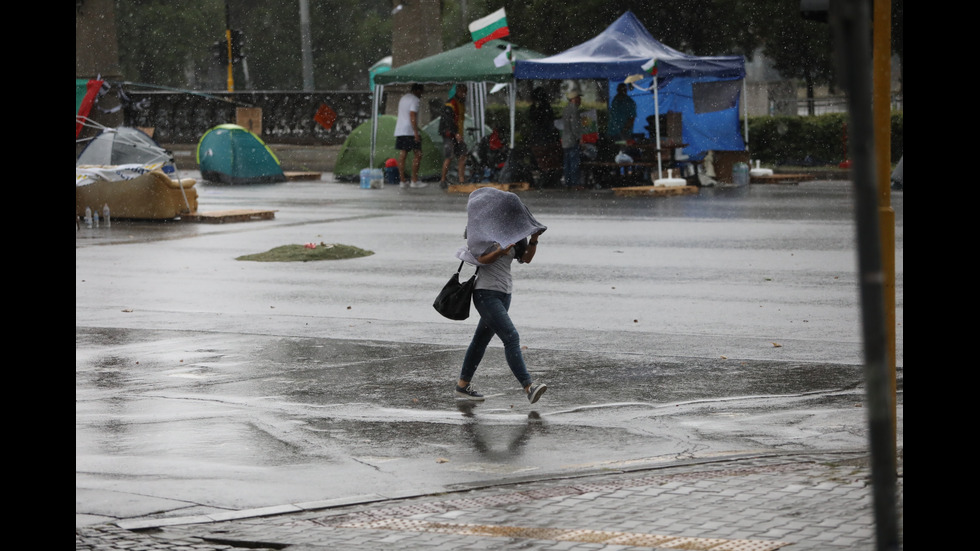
(407,137)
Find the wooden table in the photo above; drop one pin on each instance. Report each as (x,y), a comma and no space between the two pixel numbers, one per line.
(667,150)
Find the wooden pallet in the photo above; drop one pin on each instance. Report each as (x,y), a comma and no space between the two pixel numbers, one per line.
(780,179)
(298,176)
(224,216)
(655,191)
(470,188)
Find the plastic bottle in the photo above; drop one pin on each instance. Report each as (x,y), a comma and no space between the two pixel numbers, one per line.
(376,179)
(95,217)
(740,174)
(105,215)
(88,217)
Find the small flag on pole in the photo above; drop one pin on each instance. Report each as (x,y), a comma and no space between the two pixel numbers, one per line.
(503,58)
(650,67)
(489,28)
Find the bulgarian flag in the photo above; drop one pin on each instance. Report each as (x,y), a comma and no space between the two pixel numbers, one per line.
(489,28)
(650,67)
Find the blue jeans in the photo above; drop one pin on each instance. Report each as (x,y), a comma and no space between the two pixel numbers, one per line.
(494,320)
(572,158)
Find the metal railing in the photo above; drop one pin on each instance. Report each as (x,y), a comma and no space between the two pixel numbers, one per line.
(820,106)
(287,117)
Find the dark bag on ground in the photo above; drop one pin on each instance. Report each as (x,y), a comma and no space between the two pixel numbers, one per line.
(454,300)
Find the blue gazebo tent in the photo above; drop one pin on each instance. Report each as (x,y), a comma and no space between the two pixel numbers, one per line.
(705,90)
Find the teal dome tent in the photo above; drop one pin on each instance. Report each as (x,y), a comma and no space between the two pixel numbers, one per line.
(231,154)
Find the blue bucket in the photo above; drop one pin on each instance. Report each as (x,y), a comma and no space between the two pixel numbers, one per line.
(391,176)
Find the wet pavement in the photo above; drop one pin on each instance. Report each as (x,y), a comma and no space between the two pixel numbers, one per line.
(703,356)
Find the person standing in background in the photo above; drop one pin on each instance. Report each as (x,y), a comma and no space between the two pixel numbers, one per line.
(543,131)
(622,113)
(407,137)
(571,139)
(452,128)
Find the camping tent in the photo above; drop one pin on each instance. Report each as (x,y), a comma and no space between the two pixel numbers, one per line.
(467,63)
(705,90)
(355,154)
(125,145)
(231,154)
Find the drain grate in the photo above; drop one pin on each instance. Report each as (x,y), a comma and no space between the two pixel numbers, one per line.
(580,536)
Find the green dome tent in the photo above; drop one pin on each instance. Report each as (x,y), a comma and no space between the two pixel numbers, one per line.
(231,154)
(355,154)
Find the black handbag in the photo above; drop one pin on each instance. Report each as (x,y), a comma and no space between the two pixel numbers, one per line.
(454,300)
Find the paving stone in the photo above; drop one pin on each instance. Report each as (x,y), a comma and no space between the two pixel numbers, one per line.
(796,503)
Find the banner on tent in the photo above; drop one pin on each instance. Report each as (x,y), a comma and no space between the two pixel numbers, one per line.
(85,175)
(715,96)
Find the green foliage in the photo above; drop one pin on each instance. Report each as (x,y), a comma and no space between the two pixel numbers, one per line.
(817,140)
(167,43)
(172,42)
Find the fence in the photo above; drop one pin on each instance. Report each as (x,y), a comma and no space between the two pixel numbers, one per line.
(287,117)
(821,106)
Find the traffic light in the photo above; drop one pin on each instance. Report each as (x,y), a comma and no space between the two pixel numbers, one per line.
(220,50)
(815,10)
(237,46)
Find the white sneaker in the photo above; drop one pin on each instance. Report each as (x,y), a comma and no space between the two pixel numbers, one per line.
(403,184)
(419,184)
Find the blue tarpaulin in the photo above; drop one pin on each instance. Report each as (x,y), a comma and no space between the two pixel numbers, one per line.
(683,81)
(708,125)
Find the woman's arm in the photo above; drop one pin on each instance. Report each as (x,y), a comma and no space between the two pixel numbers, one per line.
(532,247)
(494,255)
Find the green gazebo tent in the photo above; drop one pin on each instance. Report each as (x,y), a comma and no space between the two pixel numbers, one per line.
(467,63)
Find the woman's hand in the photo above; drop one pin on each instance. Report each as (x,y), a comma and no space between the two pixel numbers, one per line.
(495,254)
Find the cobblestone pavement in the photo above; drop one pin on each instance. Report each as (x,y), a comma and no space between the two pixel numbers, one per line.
(790,502)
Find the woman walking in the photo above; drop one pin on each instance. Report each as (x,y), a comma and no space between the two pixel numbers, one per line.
(499,230)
